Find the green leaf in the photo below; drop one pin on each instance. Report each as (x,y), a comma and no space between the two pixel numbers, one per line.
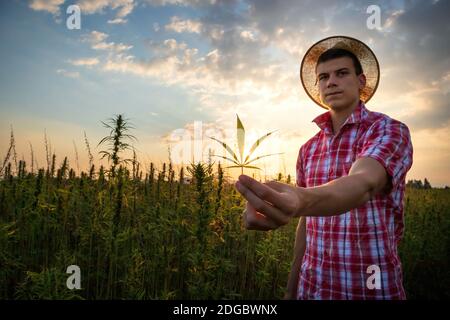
(226,158)
(257,158)
(256,144)
(227,148)
(240,137)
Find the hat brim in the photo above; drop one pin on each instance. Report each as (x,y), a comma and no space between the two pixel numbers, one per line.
(367,58)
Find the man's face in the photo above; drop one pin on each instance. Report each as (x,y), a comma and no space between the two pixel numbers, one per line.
(339,86)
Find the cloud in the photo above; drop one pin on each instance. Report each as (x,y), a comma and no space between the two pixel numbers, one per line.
(179,2)
(253,49)
(88,62)
(68,74)
(235,63)
(93,6)
(126,7)
(51,6)
(175,63)
(415,56)
(96,39)
(122,7)
(163,68)
(111,46)
(95,36)
(238,50)
(178,25)
(420,35)
(433,112)
(117,21)
(392,18)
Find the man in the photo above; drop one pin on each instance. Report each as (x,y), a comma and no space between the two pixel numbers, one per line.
(350,184)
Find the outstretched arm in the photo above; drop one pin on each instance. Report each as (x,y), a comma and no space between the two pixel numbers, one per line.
(273,204)
(366,178)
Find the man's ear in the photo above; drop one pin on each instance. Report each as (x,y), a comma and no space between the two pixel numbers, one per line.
(362,81)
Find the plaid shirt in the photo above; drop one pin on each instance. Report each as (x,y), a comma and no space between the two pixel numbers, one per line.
(341,248)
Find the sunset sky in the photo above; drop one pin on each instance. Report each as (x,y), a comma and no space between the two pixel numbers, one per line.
(170,65)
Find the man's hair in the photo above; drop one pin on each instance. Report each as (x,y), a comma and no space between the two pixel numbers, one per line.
(335,53)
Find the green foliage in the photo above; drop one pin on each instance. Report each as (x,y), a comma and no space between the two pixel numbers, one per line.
(131,239)
(45,285)
(116,141)
(425,248)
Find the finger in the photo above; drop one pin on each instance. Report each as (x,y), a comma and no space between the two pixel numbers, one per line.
(255,221)
(262,206)
(288,196)
(261,190)
(278,186)
(277,193)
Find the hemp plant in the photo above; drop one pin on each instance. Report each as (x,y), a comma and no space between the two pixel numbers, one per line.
(242,162)
(116,141)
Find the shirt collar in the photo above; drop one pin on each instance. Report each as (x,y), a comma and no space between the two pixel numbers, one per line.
(324,120)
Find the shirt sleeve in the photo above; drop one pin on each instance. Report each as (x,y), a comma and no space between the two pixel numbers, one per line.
(299,170)
(388,141)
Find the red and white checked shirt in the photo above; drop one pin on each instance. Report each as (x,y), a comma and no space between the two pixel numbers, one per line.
(341,248)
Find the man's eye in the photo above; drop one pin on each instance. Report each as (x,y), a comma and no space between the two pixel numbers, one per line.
(341,73)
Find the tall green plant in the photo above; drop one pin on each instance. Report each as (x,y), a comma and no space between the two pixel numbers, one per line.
(117,141)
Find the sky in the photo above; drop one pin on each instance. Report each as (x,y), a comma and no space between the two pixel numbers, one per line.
(182,69)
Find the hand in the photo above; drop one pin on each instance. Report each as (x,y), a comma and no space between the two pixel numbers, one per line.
(269,205)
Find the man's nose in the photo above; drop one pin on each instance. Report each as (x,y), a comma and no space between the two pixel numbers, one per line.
(332,81)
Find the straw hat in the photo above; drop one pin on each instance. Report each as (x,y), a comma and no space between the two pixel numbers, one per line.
(365,55)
